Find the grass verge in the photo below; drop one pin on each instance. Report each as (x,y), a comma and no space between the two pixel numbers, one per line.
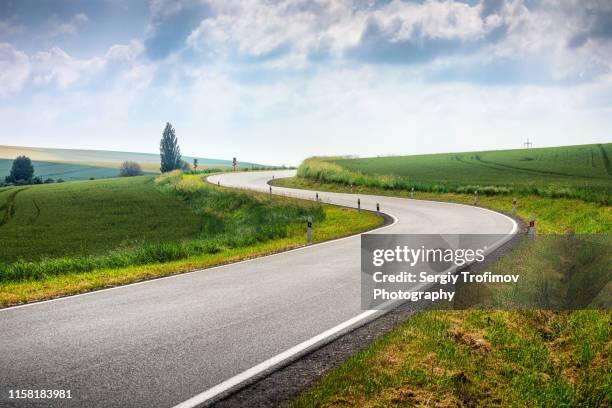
(553,215)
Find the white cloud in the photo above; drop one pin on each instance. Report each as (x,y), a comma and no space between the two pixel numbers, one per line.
(14,69)
(70,27)
(55,65)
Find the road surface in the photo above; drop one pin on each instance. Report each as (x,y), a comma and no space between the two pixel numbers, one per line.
(186,338)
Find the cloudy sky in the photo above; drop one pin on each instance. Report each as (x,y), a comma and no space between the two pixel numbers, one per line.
(276,81)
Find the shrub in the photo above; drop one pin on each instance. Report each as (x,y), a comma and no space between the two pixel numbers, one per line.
(130,169)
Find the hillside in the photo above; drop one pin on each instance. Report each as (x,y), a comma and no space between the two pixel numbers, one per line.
(66,171)
(72,164)
(582,171)
(89,217)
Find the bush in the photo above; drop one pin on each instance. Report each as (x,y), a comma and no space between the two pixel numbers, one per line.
(130,169)
(49,181)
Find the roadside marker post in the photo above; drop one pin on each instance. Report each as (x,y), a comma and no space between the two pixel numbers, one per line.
(532,226)
(317,196)
(476,197)
(359,204)
(219,183)
(514,205)
(412,192)
(309,233)
(270,191)
(377,207)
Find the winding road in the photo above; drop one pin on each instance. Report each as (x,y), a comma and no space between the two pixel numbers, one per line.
(186,339)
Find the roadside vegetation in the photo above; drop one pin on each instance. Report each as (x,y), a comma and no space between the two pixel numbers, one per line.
(491,357)
(62,239)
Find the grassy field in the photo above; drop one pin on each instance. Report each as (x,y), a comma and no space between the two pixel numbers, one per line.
(583,172)
(62,239)
(67,171)
(479,357)
(72,164)
(104,158)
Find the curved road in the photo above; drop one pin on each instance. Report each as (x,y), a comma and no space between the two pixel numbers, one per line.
(187,338)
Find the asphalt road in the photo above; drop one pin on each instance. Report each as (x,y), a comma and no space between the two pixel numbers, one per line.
(162,342)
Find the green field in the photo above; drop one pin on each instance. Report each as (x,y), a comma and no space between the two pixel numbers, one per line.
(60,239)
(107,157)
(89,217)
(72,164)
(583,172)
(64,171)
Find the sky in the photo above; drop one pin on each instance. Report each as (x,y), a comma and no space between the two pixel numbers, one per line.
(277,81)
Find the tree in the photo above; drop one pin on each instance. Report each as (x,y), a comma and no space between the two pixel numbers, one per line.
(169,150)
(185,166)
(129,169)
(22,170)
(195,164)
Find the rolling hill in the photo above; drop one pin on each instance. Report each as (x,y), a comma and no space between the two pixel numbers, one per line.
(582,171)
(73,164)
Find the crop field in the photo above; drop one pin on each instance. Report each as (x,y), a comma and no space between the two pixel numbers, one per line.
(60,239)
(104,158)
(89,217)
(64,171)
(583,172)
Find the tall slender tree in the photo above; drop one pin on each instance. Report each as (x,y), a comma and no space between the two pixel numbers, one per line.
(169,150)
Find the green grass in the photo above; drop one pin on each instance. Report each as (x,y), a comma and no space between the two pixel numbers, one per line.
(553,215)
(583,172)
(90,217)
(64,171)
(86,235)
(477,358)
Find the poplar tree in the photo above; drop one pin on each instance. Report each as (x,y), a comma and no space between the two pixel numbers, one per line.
(169,150)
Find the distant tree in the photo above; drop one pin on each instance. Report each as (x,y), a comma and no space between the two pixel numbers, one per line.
(169,150)
(185,166)
(22,171)
(37,180)
(129,169)
(195,164)
(60,180)
(49,180)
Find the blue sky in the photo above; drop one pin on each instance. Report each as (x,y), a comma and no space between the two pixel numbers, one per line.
(277,81)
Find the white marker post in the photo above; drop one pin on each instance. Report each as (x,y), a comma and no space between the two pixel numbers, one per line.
(359,204)
(412,192)
(219,183)
(476,197)
(514,205)
(532,226)
(317,197)
(270,191)
(309,233)
(377,207)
